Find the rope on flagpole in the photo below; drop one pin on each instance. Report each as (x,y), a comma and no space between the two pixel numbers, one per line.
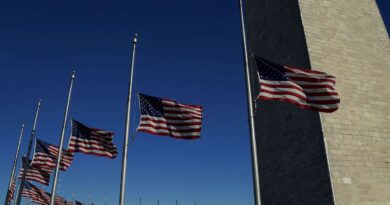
(56,172)
(25,166)
(134,129)
(127,126)
(12,178)
(255,166)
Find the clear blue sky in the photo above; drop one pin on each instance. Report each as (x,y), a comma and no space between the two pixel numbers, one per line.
(187,50)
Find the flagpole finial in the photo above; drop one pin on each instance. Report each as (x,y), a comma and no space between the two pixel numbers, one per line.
(73,75)
(135,38)
(39,102)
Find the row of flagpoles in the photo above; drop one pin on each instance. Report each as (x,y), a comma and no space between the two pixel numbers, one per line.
(38,173)
(304,88)
(158,116)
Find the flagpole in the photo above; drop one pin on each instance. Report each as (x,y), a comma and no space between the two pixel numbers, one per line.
(16,190)
(255,166)
(32,136)
(53,189)
(27,201)
(14,165)
(74,190)
(59,187)
(127,127)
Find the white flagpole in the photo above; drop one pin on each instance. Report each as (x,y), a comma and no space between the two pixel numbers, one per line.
(255,166)
(127,128)
(14,165)
(53,190)
(59,187)
(27,201)
(32,136)
(16,190)
(74,190)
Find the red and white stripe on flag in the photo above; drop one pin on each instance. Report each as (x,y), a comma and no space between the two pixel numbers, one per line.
(169,118)
(92,141)
(307,89)
(45,157)
(34,174)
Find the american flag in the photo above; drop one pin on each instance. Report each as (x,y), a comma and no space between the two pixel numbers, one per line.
(36,174)
(45,156)
(92,141)
(78,203)
(58,200)
(11,191)
(169,118)
(68,202)
(37,195)
(307,89)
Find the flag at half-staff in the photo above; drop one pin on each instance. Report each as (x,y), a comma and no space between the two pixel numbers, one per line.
(35,174)
(307,89)
(68,202)
(78,203)
(167,117)
(46,156)
(92,141)
(37,195)
(11,192)
(58,200)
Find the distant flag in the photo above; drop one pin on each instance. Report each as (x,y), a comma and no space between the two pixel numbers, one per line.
(39,176)
(307,89)
(41,201)
(78,203)
(11,191)
(92,141)
(45,156)
(36,174)
(59,200)
(37,195)
(68,202)
(167,117)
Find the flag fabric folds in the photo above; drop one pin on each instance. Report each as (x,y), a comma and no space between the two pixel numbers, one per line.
(58,200)
(11,191)
(45,156)
(35,174)
(307,89)
(37,195)
(167,117)
(92,141)
(39,176)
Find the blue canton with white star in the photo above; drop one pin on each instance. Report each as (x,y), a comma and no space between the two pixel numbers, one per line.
(81,131)
(270,71)
(151,106)
(27,185)
(42,146)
